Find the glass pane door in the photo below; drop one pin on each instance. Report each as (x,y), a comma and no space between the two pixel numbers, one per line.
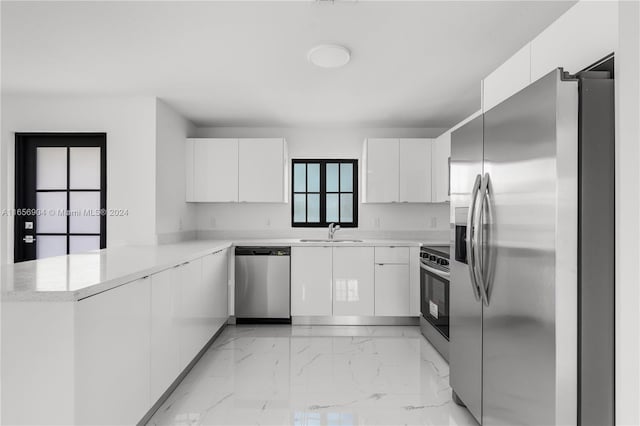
(61,187)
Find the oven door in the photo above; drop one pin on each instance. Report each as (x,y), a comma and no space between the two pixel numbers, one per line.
(434,297)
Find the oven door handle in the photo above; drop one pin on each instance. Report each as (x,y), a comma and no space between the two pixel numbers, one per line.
(434,271)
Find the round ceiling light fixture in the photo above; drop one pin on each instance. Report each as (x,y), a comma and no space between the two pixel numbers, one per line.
(329,56)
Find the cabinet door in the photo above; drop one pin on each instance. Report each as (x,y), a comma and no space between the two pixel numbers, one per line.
(187,284)
(311,269)
(414,281)
(165,360)
(415,170)
(112,355)
(392,290)
(440,168)
(584,34)
(215,176)
(383,163)
(353,281)
(509,78)
(214,291)
(262,170)
(189,169)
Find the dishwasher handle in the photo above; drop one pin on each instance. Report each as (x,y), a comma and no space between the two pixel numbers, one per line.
(263,251)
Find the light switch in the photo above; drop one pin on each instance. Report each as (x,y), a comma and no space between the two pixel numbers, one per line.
(28,225)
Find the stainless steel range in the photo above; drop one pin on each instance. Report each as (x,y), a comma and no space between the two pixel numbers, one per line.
(434,296)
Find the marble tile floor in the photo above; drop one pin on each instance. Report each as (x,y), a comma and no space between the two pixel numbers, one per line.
(316,375)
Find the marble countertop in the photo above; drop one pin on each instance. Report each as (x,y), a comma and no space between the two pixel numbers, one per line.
(77,276)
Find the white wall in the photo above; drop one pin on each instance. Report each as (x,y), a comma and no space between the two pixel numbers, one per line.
(628,215)
(130,127)
(175,218)
(321,142)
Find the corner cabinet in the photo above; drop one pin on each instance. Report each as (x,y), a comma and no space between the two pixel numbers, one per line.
(236,170)
(397,170)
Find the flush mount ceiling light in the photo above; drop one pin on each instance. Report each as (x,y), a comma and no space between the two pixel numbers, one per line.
(329,56)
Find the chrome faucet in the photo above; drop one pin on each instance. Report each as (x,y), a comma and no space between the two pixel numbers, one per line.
(332,230)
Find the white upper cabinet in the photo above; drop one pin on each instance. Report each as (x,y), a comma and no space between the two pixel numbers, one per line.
(231,170)
(214,170)
(441,161)
(511,77)
(262,170)
(382,170)
(583,35)
(415,170)
(397,170)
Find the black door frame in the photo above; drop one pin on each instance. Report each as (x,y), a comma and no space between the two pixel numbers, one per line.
(25,183)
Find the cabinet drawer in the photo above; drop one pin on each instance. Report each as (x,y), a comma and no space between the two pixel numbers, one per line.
(398,255)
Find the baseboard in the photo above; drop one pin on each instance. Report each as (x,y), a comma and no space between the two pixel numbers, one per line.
(354,320)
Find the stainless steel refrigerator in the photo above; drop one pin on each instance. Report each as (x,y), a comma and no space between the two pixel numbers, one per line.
(531,293)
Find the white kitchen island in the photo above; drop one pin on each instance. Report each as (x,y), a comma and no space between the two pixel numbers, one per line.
(98,338)
(104,337)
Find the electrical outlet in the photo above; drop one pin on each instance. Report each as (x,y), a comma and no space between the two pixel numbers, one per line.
(268,222)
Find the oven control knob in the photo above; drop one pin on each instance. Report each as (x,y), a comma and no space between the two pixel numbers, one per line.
(444,262)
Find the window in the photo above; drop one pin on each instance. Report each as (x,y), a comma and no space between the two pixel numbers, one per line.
(324,192)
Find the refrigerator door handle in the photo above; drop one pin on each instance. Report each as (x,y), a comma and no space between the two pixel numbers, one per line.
(470,237)
(477,242)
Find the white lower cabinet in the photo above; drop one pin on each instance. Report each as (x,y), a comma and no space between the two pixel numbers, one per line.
(112,355)
(392,290)
(187,286)
(214,292)
(353,277)
(311,278)
(165,356)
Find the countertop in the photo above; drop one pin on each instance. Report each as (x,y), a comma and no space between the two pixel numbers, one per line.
(77,276)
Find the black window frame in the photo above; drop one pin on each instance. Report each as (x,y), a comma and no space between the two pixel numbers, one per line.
(323,192)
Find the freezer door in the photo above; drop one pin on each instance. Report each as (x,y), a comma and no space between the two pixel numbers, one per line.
(530,227)
(465,310)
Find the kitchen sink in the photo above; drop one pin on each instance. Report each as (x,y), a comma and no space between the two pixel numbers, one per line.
(326,240)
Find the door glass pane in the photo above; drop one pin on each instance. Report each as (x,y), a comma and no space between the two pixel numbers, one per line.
(313,208)
(49,245)
(299,207)
(84,212)
(332,177)
(83,243)
(299,177)
(52,207)
(313,177)
(51,168)
(84,168)
(346,177)
(332,208)
(346,208)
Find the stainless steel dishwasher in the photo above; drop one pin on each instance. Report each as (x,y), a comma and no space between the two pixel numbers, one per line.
(263,284)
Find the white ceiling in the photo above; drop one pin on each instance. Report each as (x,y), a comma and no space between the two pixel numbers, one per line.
(414,64)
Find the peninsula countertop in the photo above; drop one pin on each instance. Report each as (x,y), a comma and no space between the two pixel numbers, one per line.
(77,276)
